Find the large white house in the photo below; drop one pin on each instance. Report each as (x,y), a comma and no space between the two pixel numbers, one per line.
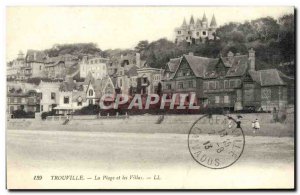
(97,66)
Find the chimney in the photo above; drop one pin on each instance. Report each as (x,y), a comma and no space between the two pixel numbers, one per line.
(230,56)
(138,59)
(252,59)
(191,53)
(34,56)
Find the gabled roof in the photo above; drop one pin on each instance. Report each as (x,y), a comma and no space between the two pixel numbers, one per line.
(237,66)
(77,94)
(88,78)
(99,86)
(173,64)
(199,64)
(132,71)
(269,77)
(35,56)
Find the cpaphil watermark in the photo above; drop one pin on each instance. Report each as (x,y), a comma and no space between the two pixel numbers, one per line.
(216,141)
(175,101)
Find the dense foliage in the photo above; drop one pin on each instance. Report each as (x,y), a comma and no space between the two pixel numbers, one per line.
(78,49)
(273,40)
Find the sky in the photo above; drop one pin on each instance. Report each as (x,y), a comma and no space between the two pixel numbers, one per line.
(111,27)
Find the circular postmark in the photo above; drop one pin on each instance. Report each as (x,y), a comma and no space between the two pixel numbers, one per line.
(216,141)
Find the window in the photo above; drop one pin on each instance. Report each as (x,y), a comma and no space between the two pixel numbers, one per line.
(66,100)
(186,38)
(226,86)
(198,34)
(79,103)
(40,67)
(204,33)
(191,84)
(120,82)
(180,85)
(221,84)
(19,100)
(168,86)
(144,80)
(52,96)
(41,96)
(42,108)
(217,99)
(238,83)
(91,92)
(205,85)
(179,32)
(190,32)
(90,101)
(212,85)
(232,83)
(226,99)
(188,73)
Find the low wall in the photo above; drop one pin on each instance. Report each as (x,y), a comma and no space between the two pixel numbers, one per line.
(147,124)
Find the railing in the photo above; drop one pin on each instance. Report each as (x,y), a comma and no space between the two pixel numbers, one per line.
(56,118)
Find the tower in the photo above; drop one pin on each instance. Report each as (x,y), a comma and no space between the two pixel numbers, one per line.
(213,23)
(204,21)
(184,25)
(192,22)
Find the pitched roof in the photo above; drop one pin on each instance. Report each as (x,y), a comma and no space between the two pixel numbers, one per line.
(192,20)
(199,64)
(213,22)
(204,19)
(173,64)
(198,23)
(184,23)
(35,56)
(99,86)
(88,78)
(132,71)
(77,94)
(238,65)
(269,77)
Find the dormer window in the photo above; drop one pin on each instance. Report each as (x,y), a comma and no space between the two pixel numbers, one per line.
(204,33)
(91,92)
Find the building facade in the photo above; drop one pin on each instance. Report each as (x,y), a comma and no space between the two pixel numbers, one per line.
(21,98)
(196,32)
(97,66)
(230,82)
(49,95)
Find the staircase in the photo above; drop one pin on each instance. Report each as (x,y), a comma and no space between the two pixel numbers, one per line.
(160,119)
(66,121)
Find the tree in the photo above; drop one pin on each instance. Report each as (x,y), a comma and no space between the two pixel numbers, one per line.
(266,28)
(141,46)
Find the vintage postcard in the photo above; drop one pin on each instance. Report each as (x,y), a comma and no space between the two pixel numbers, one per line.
(150,97)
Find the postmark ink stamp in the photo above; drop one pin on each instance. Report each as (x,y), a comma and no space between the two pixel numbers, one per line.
(216,141)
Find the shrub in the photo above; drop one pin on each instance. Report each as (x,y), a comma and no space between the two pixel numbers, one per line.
(23,114)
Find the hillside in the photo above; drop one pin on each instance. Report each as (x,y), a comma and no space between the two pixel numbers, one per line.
(273,40)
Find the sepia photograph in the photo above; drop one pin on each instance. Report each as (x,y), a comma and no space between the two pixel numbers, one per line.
(150,97)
